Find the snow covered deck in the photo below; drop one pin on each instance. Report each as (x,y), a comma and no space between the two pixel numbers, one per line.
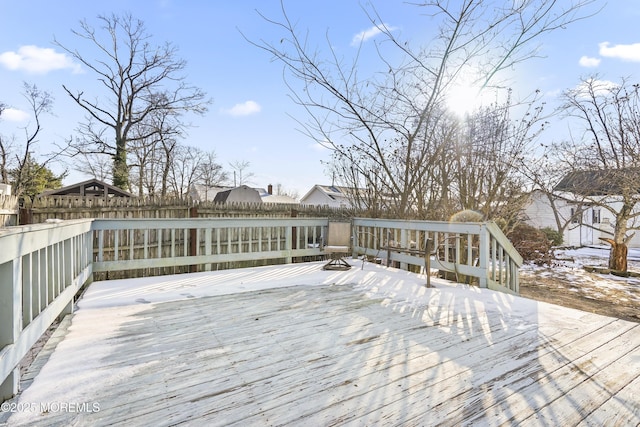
(295,345)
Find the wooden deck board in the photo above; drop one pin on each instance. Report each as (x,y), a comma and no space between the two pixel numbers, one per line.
(329,355)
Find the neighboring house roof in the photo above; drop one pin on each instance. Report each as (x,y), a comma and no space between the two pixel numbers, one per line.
(333,193)
(239,194)
(600,182)
(203,193)
(280,199)
(91,187)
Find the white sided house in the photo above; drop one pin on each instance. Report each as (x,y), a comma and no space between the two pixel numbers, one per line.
(328,195)
(587,220)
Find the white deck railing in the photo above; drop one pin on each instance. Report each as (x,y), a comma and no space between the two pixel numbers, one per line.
(202,242)
(477,251)
(41,269)
(43,266)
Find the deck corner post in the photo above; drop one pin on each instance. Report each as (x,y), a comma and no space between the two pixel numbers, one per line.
(9,387)
(10,322)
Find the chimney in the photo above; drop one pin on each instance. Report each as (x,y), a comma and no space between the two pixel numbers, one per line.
(270,189)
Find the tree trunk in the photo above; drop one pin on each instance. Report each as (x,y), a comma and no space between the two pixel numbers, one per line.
(120,168)
(617,256)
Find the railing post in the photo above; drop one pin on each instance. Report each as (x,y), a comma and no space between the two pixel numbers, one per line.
(289,243)
(294,231)
(428,248)
(10,321)
(67,274)
(483,255)
(354,240)
(193,237)
(404,243)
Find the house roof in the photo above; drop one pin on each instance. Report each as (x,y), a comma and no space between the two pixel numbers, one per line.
(205,193)
(277,198)
(333,192)
(239,194)
(91,187)
(601,182)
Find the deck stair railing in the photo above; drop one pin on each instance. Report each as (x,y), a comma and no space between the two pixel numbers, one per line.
(477,252)
(43,266)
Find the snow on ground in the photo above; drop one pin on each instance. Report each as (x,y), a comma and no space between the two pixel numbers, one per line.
(375,280)
(108,306)
(568,272)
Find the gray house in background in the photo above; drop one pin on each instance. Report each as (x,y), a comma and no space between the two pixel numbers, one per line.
(203,194)
(239,194)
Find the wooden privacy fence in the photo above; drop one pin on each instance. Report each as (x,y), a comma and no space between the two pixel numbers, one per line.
(43,266)
(470,251)
(77,207)
(9,208)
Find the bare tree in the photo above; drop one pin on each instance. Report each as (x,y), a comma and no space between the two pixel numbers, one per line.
(280,190)
(211,172)
(98,166)
(488,154)
(241,174)
(185,169)
(138,79)
(153,152)
(385,125)
(604,160)
(18,164)
(4,152)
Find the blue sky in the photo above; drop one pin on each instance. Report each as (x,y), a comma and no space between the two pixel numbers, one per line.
(251,117)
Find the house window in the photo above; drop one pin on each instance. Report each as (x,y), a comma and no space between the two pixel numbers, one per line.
(596,216)
(574,216)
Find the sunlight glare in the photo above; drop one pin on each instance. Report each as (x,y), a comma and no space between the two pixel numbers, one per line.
(463,99)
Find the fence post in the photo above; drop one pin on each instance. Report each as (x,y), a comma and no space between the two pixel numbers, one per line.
(10,323)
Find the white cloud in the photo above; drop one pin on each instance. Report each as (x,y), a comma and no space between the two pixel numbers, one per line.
(589,62)
(37,60)
(319,147)
(13,115)
(599,87)
(365,35)
(626,52)
(244,109)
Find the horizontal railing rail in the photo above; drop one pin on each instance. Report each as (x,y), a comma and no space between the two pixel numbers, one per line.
(42,267)
(469,251)
(128,244)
